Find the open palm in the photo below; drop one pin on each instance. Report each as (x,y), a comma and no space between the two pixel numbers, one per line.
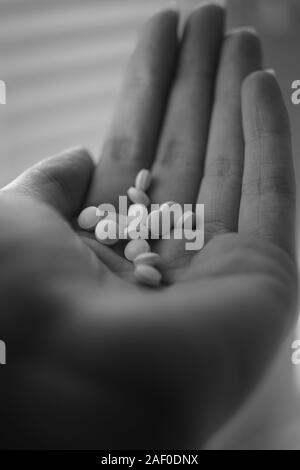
(120,365)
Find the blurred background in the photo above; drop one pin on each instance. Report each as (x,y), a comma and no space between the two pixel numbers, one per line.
(62,61)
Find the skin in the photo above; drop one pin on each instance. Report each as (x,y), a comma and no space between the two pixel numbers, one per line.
(97,361)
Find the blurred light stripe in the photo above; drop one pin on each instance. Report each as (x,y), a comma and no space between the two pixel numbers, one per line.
(24,66)
(62,61)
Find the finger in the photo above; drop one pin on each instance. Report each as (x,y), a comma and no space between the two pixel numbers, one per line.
(132,141)
(220,188)
(178,167)
(61,181)
(268,193)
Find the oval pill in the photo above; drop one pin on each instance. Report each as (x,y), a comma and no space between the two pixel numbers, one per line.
(143,180)
(107,232)
(138,197)
(148,275)
(89,217)
(135,248)
(150,259)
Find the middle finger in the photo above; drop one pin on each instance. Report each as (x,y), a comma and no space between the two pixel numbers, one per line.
(178,167)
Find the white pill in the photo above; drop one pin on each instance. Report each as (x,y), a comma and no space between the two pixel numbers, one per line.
(150,259)
(135,231)
(187,220)
(143,180)
(138,197)
(89,218)
(135,248)
(158,224)
(107,232)
(147,275)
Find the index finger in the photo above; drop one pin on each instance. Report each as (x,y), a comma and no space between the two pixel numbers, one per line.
(132,140)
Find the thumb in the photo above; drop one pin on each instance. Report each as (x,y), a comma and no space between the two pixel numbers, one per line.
(61,181)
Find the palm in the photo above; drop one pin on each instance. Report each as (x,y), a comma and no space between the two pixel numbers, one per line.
(193,337)
(230,255)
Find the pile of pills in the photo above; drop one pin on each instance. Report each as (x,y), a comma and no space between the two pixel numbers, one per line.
(108,226)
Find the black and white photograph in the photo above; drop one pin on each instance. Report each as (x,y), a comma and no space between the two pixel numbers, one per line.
(149,229)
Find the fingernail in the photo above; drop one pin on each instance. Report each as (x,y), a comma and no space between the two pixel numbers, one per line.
(271,71)
(242,29)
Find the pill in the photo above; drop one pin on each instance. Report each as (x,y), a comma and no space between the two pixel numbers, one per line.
(143,180)
(135,248)
(107,232)
(89,217)
(137,196)
(147,275)
(150,259)
(158,223)
(135,231)
(187,220)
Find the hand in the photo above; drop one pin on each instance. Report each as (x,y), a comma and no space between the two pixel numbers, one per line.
(99,362)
